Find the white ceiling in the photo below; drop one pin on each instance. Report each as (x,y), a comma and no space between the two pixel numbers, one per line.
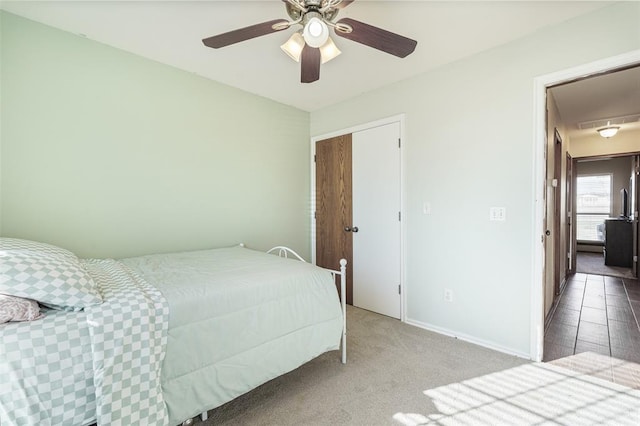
(170,32)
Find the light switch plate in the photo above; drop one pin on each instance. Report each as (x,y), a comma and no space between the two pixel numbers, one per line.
(498,214)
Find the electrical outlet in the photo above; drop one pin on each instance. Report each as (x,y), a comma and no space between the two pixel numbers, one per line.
(448,295)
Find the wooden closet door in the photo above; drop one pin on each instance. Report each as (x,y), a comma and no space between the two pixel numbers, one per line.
(333,206)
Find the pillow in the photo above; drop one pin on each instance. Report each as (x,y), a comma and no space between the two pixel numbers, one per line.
(18,309)
(48,274)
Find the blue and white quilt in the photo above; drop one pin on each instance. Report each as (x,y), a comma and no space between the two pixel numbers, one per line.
(98,365)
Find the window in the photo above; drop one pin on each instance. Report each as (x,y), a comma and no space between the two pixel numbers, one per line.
(593,206)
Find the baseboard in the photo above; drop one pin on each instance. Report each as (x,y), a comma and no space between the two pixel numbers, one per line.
(554,305)
(552,312)
(563,284)
(471,339)
(590,248)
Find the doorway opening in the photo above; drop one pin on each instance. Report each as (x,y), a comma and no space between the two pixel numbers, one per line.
(595,216)
(541,84)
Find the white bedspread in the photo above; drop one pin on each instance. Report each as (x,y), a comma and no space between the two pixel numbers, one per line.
(239,318)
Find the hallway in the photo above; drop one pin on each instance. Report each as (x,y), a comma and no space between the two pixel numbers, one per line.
(598,314)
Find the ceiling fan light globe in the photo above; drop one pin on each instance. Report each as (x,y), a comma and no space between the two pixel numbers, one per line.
(315,32)
(315,28)
(293,47)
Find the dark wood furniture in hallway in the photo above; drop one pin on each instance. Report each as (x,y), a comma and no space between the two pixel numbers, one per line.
(618,246)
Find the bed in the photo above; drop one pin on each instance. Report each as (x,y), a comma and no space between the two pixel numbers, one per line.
(157,339)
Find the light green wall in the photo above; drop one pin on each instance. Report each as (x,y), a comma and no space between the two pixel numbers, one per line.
(112,155)
(470,146)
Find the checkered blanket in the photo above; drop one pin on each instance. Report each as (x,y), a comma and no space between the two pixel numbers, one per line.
(46,374)
(70,368)
(128,339)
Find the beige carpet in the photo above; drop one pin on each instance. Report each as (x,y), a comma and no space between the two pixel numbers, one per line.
(402,375)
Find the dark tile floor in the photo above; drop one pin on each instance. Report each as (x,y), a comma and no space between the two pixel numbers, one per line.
(598,314)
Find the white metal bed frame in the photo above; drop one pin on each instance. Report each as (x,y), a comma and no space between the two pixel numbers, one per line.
(285,252)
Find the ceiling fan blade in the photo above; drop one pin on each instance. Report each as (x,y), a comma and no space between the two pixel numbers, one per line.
(310,64)
(242,34)
(378,38)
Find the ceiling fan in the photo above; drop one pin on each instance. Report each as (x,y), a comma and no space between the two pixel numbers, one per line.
(312,46)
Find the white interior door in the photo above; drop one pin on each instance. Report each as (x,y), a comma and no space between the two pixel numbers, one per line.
(376,215)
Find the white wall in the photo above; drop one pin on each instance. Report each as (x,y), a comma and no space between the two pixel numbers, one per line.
(470,146)
(112,155)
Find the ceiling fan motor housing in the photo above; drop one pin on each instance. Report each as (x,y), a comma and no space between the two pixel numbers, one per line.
(310,6)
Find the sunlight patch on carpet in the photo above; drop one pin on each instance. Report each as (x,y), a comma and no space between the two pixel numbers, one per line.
(530,394)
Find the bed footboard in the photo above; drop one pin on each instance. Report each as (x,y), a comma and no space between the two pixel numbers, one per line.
(285,252)
(343,304)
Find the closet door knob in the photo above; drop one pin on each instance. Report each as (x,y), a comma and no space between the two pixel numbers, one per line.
(354,229)
(347,228)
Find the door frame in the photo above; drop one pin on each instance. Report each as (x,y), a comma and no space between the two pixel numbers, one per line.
(540,86)
(557,211)
(635,206)
(400,118)
(570,202)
